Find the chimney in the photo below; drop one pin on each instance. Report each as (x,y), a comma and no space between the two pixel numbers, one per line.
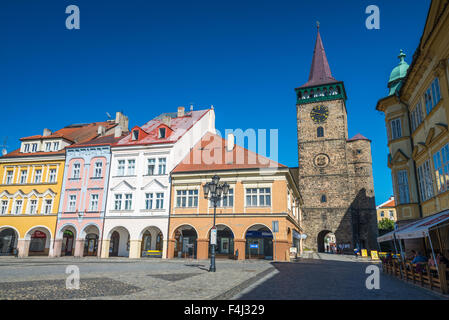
(191,107)
(117,132)
(122,121)
(47,132)
(101,131)
(230,142)
(181,112)
(167,119)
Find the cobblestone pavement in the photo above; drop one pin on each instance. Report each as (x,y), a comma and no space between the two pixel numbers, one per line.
(118,278)
(326,279)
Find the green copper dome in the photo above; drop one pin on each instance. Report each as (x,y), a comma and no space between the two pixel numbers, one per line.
(398,74)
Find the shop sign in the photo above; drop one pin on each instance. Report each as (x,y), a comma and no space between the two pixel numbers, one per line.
(39,234)
(254,246)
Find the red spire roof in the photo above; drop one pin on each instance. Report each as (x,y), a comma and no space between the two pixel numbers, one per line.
(320,72)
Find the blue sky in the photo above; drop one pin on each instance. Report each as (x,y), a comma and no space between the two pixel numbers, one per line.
(244,57)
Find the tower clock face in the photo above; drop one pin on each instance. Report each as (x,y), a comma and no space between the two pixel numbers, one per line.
(319,114)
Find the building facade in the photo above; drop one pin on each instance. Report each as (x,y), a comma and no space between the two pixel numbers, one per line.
(137,208)
(83,196)
(416,117)
(387,210)
(30,192)
(335,172)
(261,191)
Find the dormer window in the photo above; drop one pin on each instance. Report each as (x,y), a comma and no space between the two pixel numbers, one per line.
(55,146)
(161,133)
(26,149)
(34,147)
(135,135)
(48,146)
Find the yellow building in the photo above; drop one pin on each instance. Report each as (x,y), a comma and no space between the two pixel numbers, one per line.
(261,192)
(417,118)
(387,210)
(31,178)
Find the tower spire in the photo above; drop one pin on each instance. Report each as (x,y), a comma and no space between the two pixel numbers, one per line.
(320,72)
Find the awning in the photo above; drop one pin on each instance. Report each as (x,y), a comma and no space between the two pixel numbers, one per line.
(420,229)
(386,237)
(416,229)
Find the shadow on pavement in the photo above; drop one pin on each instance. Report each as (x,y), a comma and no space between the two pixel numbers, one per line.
(331,280)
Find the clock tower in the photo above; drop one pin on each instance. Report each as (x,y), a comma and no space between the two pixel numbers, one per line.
(335,173)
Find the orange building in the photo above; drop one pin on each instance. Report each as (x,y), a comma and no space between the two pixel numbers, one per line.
(261,192)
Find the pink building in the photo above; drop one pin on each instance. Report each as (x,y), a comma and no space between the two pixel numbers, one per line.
(83,196)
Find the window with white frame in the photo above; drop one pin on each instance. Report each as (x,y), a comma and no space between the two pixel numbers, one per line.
(37,176)
(18,207)
(23,176)
(93,206)
(4,207)
(258,197)
(26,149)
(162,166)
(151,166)
(225,202)
(98,169)
(55,146)
(441,166)
(121,168)
(403,188)
(118,202)
(33,206)
(128,201)
(159,200)
(52,176)
(72,203)
(187,198)
(76,170)
(9,176)
(432,95)
(391,214)
(416,116)
(48,146)
(148,201)
(425,181)
(396,129)
(382,214)
(34,147)
(47,206)
(131,167)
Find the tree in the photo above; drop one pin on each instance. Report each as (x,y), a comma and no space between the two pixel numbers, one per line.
(386,225)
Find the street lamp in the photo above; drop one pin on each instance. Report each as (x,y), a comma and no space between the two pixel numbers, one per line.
(215,191)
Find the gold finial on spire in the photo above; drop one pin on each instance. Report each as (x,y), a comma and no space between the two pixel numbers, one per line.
(318,24)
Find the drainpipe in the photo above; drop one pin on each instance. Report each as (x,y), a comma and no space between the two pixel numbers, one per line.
(413,147)
(105,203)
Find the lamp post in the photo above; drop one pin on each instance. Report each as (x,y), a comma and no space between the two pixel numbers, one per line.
(215,191)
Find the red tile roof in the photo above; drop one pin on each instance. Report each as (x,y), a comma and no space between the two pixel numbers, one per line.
(178,125)
(389,204)
(210,154)
(78,133)
(100,141)
(358,136)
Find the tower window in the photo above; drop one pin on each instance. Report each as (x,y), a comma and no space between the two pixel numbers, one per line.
(320,132)
(323,198)
(161,132)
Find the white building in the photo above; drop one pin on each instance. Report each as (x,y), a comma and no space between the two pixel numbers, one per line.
(137,209)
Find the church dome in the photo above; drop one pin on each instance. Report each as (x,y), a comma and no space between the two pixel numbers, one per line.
(398,73)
